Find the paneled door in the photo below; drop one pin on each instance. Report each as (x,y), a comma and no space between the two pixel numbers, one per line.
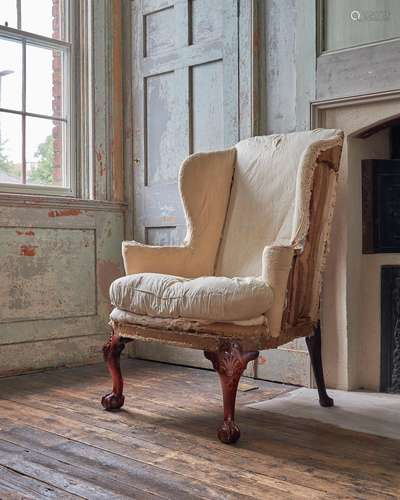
(185,74)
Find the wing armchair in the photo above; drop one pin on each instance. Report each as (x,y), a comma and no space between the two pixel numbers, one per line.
(248,275)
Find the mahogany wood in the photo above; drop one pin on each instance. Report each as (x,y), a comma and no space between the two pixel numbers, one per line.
(205,340)
(230,362)
(112,351)
(314,348)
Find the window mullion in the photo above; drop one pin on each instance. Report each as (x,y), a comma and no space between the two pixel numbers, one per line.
(23,112)
(19,20)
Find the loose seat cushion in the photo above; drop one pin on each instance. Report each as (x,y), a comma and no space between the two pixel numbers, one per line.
(209,298)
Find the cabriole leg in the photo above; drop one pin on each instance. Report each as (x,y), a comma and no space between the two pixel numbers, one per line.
(230,362)
(314,348)
(112,351)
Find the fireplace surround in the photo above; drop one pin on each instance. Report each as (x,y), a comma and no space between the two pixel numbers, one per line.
(351,298)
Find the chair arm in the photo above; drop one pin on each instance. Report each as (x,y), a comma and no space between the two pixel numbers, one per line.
(175,260)
(276,266)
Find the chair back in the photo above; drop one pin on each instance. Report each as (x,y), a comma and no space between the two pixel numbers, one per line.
(270,198)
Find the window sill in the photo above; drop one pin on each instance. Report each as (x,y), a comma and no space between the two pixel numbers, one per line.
(45,201)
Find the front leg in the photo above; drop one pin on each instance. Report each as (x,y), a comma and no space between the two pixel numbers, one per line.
(112,351)
(230,362)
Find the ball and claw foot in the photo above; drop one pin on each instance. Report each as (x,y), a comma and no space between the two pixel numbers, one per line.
(112,401)
(229,432)
(326,401)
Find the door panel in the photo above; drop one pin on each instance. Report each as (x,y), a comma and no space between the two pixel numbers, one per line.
(207,20)
(207,107)
(185,74)
(161,147)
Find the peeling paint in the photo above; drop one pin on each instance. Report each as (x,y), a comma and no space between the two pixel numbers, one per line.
(28,250)
(262,360)
(100,160)
(108,271)
(25,233)
(42,273)
(171,219)
(64,213)
(129,133)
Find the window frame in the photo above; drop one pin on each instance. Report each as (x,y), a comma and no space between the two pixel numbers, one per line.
(70,90)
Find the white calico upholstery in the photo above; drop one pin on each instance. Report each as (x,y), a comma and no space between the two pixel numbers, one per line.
(248,215)
(207,298)
(123,316)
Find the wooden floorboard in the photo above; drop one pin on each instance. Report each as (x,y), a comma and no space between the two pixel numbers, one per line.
(57,442)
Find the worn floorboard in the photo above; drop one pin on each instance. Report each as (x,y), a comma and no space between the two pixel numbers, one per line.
(57,442)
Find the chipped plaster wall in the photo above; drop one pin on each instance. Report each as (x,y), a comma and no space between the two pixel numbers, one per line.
(58,256)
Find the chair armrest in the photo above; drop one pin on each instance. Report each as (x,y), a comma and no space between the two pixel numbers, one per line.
(175,260)
(276,266)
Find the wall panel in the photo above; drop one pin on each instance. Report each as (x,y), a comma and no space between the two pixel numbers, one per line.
(57,264)
(43,268)
(207,107)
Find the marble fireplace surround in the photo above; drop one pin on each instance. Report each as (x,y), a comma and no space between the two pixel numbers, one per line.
(350,312)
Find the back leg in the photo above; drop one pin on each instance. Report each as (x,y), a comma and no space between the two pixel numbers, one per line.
(314,348)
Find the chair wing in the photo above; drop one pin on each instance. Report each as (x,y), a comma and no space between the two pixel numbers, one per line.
(311,239)
(204,182)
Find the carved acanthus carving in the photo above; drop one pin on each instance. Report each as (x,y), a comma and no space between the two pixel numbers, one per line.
(230,362)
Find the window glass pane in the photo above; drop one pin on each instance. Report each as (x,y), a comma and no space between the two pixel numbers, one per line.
(43,81)
(42,17)
(10,148)
(8,13)
(44,152)
(356,22)
(10,74)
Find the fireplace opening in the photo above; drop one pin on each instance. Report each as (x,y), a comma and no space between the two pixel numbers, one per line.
(381,199)
(390,329)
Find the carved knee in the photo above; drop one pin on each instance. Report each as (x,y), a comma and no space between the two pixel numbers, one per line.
(229,362)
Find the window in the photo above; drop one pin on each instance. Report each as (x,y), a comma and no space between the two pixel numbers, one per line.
(36,96)
(358,22)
